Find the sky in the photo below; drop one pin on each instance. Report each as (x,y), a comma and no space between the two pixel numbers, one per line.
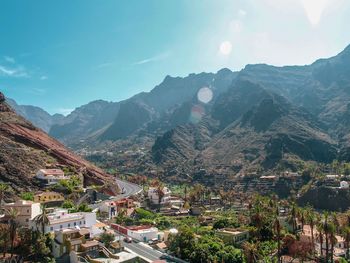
(59,55)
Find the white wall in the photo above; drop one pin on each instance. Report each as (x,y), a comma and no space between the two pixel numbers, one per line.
(144,235)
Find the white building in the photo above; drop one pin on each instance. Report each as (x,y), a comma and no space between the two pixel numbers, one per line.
(332,176)
(143,233)
(27,211)
(61,219)
(50,176)
(153,195)
(344,185)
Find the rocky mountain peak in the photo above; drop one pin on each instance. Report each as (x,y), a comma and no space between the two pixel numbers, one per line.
(2,97)
(3,106)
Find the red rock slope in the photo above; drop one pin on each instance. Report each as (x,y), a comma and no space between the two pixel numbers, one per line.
(24,149)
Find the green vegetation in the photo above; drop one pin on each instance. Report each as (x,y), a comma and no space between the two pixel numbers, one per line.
(224,222)
(27,196)
(207,248)
(107,238)
(72,208)
(72,185)
(33,245)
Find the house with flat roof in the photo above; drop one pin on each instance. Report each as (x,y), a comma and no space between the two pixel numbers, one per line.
(60,219)
(233,236)
(48,177)
(155,195)
(141,233)
(27,211)
(112,208)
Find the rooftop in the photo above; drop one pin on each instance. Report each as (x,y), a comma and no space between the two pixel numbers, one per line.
(21,203)
(52,171)
(231,231)
(90,243)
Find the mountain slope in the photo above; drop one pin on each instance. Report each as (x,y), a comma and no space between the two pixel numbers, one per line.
(100,121)
(265,129)
(24,149)
(36,115)
(85,121)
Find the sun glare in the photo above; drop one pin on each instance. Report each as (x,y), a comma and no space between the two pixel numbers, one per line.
(314,9)
(225,48)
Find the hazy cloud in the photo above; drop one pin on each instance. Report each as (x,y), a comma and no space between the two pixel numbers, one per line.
(242,13)
(158,57)
(16,72)
(10,59)
(64,111)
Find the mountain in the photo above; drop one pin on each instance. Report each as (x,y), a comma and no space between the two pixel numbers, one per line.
(24,149)
(260,118)
(264,129)
(100,121)
(85,121)
(36,115)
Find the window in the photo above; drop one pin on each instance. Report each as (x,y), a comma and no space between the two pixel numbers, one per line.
(27,220)
(84,222)
(80,223)
(75,223)
(27,210)
(51,228)
(61,226)
(68,225)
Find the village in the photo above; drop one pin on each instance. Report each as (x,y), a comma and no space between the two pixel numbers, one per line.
(141,225)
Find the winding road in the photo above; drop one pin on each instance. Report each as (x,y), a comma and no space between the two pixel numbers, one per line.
(127,188)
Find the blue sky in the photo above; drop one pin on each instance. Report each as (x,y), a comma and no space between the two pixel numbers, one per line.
(61,54)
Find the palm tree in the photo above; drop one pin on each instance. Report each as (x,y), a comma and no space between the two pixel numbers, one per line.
(320,235)
(346,236)
(277,229)
(335,222)
(251,252)
(326,230)
(332,238)
(293,217)
(311,220)
(42,219)
(302,215)
(13,226)
(160,192)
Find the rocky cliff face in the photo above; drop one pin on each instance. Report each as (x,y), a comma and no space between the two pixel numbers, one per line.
(24,149)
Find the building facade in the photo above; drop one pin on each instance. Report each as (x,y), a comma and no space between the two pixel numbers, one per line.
(27,211)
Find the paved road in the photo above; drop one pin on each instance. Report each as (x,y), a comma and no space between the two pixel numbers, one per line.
(144,251)
(128,189)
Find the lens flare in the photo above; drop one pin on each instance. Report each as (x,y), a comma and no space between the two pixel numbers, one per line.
(205,95)
(225,48)
(197,112)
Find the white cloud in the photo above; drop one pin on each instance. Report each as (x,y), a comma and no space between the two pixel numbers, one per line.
(18,72)
(152,59)
(43,77)
(105,65)
(64,111)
